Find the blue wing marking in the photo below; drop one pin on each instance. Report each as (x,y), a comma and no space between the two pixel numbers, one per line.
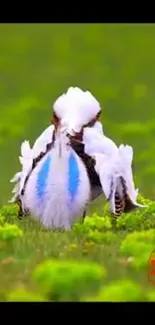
(42,178)
(73,180)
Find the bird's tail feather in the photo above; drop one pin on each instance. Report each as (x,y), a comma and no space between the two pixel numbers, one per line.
(26,160)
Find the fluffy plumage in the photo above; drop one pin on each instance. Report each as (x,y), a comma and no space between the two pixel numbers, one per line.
(42,141)
(58,189)
(95,141)
(115,173)
(113,165)
(26,160)
(28,154)
(76,108)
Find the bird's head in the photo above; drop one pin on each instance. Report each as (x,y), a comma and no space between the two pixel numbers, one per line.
(75,110)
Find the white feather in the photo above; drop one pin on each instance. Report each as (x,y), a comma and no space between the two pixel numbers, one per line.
(76,108)
(26,150)
(126,157)
(127,153)
(27,156)
(54,209)
(16,177)
(105,169)
(26,160)
(98,127)
(96,141)
(112,162)
(42,141)
(111,169)
(15,189)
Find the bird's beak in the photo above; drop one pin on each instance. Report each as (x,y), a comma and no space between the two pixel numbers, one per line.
(66,126)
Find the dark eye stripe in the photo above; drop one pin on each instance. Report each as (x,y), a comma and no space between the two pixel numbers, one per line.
(92,122)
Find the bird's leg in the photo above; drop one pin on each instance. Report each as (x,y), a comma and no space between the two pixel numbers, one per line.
(21,213)
(83,216)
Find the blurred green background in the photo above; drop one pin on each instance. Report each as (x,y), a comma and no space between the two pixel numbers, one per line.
(116,62)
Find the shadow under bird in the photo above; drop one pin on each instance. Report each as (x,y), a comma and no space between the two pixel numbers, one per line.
(109,168)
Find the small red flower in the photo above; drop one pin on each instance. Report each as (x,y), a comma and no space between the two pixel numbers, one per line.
(151,268)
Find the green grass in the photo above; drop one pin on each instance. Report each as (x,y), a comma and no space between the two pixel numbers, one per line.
(95,261)
(116,63)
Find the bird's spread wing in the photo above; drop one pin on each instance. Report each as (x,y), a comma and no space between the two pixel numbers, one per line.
(116,178)
(114,167)
(26,159)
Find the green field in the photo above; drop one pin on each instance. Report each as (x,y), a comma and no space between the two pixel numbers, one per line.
(116,63)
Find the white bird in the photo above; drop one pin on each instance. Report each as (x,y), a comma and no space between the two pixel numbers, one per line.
(66,108)
(109,168)
(58,188)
